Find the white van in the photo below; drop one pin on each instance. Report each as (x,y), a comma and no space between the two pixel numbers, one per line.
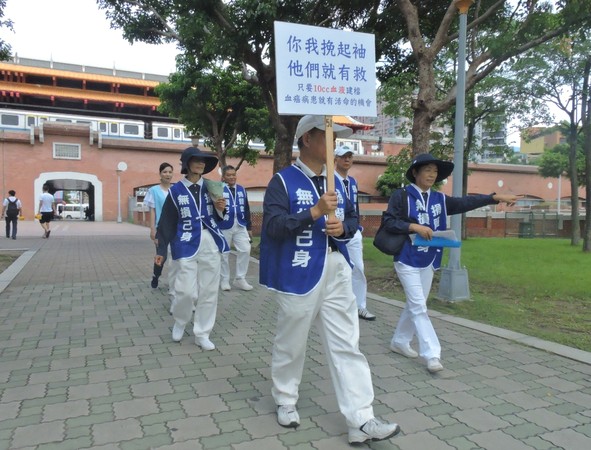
(72,211)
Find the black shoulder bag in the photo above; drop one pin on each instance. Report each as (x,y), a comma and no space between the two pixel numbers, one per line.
(388,242)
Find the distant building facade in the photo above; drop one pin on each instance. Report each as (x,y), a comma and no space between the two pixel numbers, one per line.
(535,140)
(71,127)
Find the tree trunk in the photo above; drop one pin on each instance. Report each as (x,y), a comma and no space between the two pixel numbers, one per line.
(574,185)
(284,125)
(421,131)
(466,154)
(284,141)
(587,150)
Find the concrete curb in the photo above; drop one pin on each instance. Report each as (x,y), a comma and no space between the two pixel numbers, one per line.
(13,270)
(552,347)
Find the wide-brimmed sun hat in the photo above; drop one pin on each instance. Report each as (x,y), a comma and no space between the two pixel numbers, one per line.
(444,168)
(194,152)
(309,122)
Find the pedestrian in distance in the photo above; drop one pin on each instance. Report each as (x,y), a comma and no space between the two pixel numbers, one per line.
(305,262)
(11,210)
(188,223)
(46,210)
(426,212)
(236,227)
(343,163)
(154,199)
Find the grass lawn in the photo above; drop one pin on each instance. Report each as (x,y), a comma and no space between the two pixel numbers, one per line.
(539,287)
(7,258)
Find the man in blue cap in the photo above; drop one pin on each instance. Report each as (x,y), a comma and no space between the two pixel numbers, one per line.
(188,222)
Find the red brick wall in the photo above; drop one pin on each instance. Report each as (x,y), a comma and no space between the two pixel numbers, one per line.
(475,226)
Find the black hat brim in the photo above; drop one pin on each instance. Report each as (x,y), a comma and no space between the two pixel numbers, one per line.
(193,152)
(444,169)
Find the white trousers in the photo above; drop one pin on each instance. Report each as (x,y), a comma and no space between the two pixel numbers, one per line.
(238,236)
(331,308)
(172,271)
(197,282)
(355,248)
(414,318)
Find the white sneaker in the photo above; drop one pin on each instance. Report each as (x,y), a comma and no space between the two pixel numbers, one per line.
(177,332)
(434,365)
(225,286)
(405,350)
(373,430)
(205,343)
(287,416)
(241,283)
(364,314)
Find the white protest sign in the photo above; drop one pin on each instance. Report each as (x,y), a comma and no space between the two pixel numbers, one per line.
(324,71)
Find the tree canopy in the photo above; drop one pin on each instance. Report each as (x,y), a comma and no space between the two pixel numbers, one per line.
(410,37)
(219,105)
(5,48)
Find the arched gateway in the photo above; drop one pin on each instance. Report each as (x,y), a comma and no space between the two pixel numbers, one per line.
(73,181)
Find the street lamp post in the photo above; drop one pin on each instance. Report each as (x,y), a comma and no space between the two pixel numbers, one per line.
(559,194)
(453,284)
(121,167)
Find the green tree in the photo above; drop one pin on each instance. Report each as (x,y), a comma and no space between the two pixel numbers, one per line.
(240,32)
(5,48)
(499,31)
(218,104)
(555,162)
(586,93)
(554,72)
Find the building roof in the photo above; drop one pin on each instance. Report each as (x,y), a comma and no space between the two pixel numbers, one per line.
(20,89)
(6,67)
(59,87)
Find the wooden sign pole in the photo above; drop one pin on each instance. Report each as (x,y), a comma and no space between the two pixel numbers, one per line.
(330,187)
(329,153)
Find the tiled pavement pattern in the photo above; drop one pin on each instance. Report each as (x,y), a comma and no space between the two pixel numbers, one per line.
(87,361)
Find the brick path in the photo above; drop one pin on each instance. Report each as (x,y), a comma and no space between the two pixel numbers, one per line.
(87,361)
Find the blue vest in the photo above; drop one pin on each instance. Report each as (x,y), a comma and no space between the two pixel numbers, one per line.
(191,219)
(353,195)
(433,215)
(236,207)
(296,265)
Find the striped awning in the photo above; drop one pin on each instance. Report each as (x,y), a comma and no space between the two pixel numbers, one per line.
(348,121)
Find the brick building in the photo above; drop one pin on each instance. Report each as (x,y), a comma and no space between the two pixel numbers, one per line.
(71,126)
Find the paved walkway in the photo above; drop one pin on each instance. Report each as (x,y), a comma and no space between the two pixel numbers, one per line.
(87,361)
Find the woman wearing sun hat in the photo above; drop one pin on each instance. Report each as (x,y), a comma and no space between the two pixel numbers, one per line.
(188,222)
(426,211)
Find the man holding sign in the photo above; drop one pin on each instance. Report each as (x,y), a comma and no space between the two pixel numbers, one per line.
(304,259)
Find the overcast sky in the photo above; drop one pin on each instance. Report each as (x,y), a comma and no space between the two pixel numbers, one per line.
(77,32)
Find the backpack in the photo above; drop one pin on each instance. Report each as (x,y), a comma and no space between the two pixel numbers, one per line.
(12,209)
